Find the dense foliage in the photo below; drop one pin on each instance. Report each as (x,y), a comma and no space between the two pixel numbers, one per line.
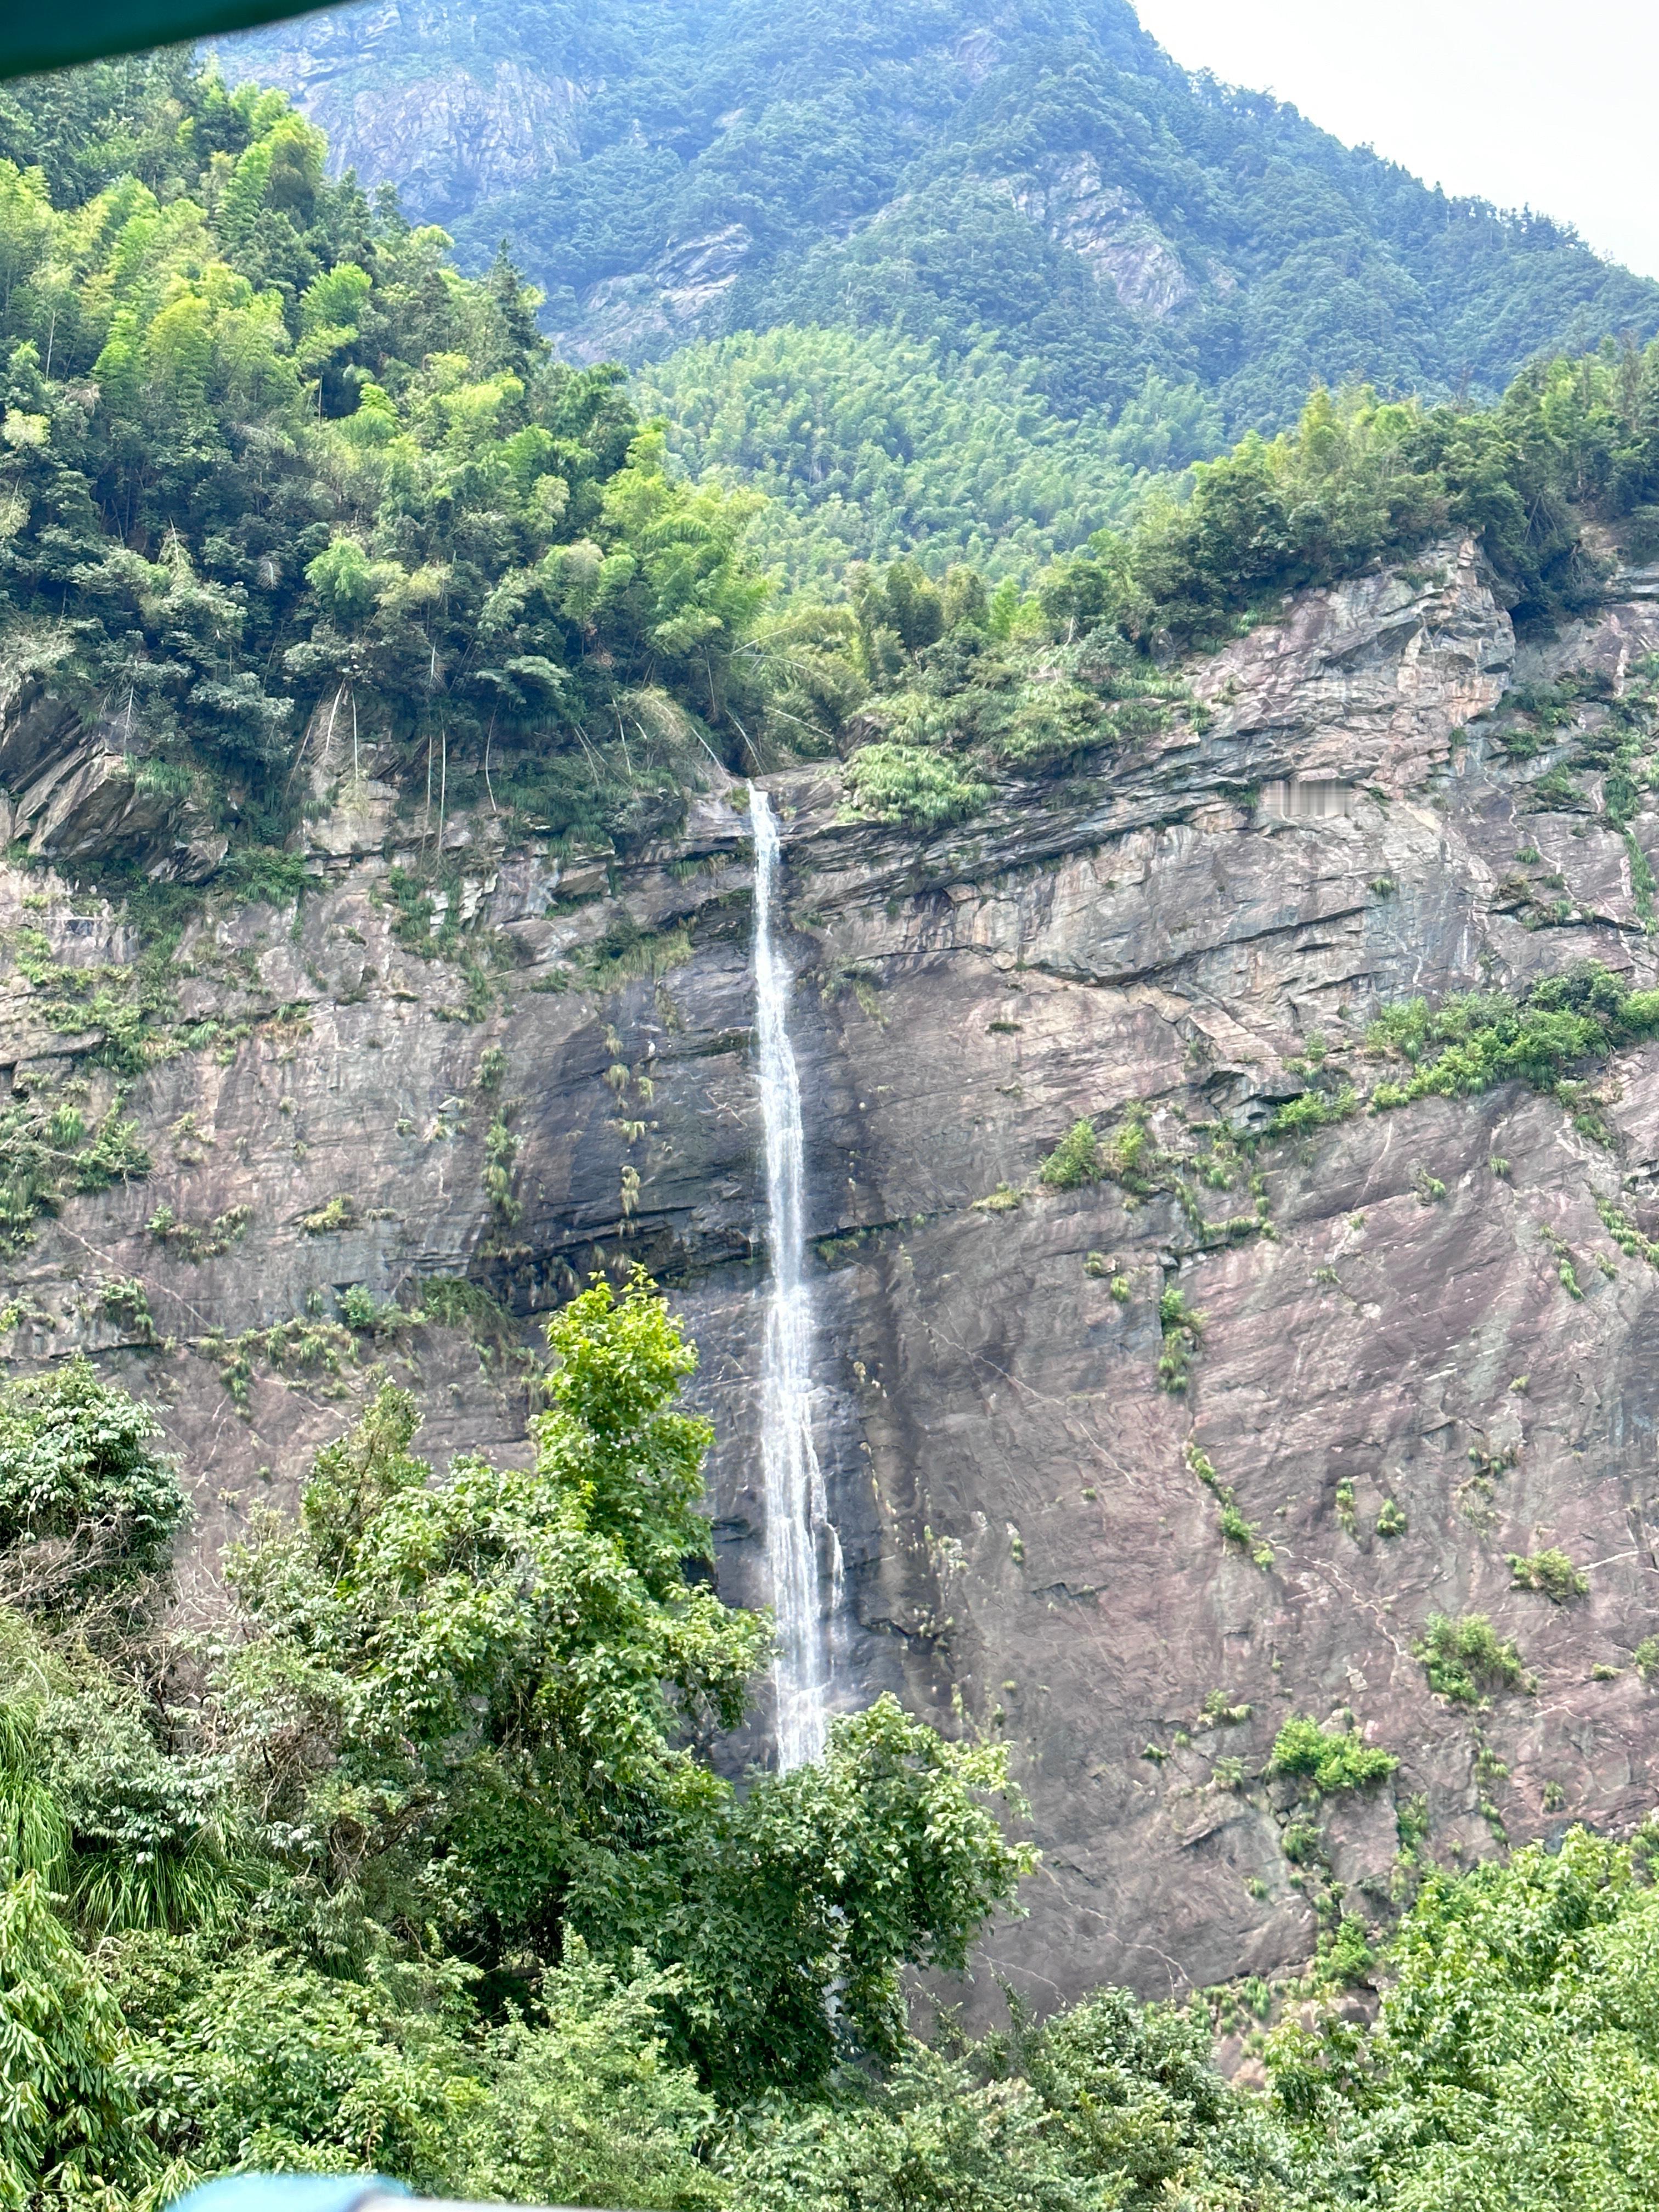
(1473,1041)
(1036,185)
(421,1859)
(951,134)
(438,1788)
(1516,2060)
(279,487)
(416,1863)
(964,687)
(89,1510)
(870,444)
(287,501)
(1555,1033)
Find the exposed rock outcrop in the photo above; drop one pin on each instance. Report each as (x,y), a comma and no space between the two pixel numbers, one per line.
(79,791)
(678,298)
(1107,226)
(398,108)
(1032,1523)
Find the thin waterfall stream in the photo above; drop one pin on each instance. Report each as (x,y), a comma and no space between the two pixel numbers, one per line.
(799,1536)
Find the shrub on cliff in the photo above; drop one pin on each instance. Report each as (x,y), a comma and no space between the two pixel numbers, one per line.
(1551,1573)
(1075,1159)
(1331,1759)
(1478,1038)
(1313,1110)
(909,785)
(1466,1658)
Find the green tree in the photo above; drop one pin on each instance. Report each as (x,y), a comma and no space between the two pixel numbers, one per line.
(89,1509)
(1516,2060)
(65,2110)
(475,1703)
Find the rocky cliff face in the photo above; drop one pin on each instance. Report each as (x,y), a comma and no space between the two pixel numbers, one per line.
(1418,1322)
(403,99)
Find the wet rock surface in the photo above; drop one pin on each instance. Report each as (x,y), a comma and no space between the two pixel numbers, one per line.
(1032,1523)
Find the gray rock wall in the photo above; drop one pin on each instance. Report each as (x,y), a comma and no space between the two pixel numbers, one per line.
(1031,1548)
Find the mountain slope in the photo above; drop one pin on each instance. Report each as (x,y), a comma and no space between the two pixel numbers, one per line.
(1035,171)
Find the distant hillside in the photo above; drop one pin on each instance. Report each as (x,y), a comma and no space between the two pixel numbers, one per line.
(1036,180)
(1038,169)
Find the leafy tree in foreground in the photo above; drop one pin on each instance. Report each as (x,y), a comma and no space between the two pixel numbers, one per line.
(473,1705)
(428,1870)
(1516,2060)
(422,1869)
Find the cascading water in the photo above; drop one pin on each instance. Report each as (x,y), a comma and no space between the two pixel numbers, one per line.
(798,1534)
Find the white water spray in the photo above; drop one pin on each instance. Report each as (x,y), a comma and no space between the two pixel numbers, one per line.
(798,1534)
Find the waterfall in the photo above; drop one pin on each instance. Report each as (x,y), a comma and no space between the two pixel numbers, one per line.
(799,1533)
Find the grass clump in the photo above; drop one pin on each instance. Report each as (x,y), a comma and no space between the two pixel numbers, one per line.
(366,1314)
(1003,1200)
(456,1301)
(1314,1109)
(1075,1159)
(303,1345)
(339,1212)
(453,1301)
(1345,1955)
(627,949)
(1182,1329)
(199,1240)
(1624,1233)
(1551,1573)
(500,1158)
(1330,1760)
(47,1154)
(1220,1710)
(123,1300)
(1466,1659)
(1234,1529)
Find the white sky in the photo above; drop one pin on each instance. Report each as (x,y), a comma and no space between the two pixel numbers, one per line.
(1522,102)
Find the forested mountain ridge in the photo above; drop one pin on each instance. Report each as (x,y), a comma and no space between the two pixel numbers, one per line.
(860,205)
(1038,171)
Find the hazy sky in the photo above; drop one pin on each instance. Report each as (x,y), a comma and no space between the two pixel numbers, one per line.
(1523,103)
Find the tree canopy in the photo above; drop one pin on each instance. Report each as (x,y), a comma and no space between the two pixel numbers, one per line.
(287,503)
(451,1742)
(279,486)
